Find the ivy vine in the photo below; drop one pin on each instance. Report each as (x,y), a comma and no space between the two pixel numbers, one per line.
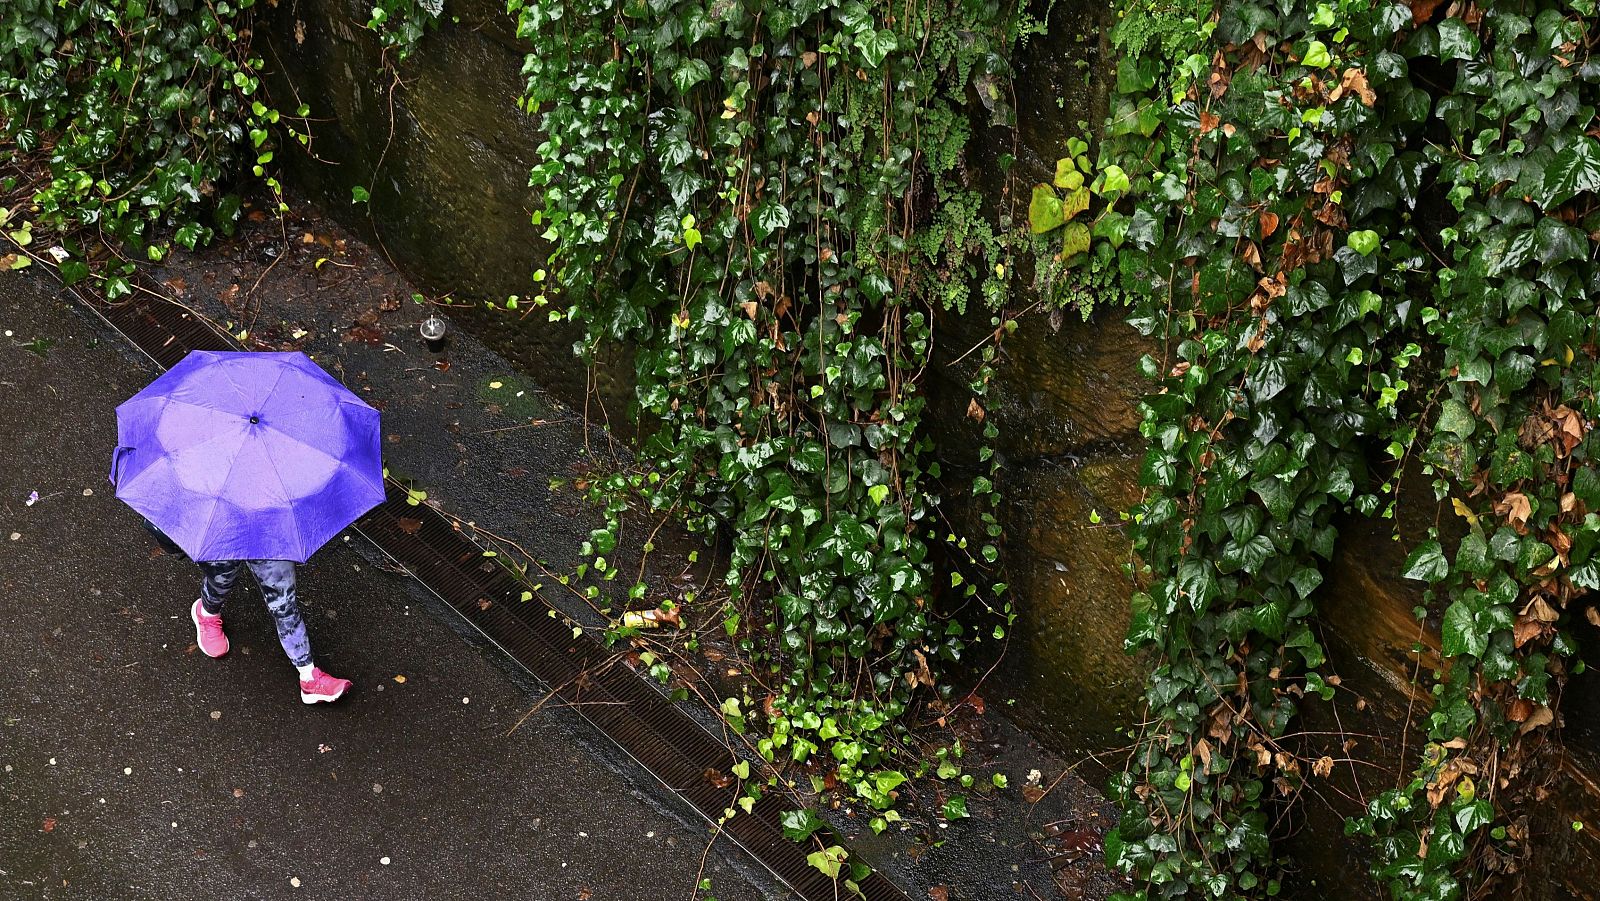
(128,123)
(1365,238)
(767,204)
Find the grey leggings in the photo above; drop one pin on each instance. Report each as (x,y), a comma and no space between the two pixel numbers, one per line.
(276,578)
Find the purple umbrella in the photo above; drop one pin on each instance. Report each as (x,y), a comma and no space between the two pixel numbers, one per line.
(248,456)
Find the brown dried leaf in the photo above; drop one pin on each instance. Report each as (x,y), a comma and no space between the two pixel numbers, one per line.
(1516,509)
(1540,717)
(1323,767)
(1252,255)
(1519,710)
(408,525)
(975,410)
(1356,80)
(1269,223)
(1526,630)
(1541,610)
(1422,10)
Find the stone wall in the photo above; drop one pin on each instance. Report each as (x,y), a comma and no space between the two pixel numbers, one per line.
(445,154)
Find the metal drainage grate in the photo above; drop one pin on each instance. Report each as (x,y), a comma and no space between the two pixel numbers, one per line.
(675,748)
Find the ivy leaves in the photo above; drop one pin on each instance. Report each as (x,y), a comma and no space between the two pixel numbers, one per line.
(1574,171)
(1277,187)
(747,226)
(140,152)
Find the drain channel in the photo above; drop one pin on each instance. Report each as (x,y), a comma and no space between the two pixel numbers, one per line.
(648,727)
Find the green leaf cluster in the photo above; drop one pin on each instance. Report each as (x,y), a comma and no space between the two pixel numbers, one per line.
(762,202)
(1352,269)
(141,115)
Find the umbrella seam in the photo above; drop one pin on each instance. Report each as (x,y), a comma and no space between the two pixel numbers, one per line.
(240,391)
(337,462)
(299,536)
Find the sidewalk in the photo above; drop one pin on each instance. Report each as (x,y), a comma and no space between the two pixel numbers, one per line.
(132,767)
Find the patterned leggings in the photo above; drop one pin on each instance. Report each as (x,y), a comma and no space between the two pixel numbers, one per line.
(276,578)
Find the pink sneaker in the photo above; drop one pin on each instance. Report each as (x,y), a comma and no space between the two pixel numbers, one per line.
(322,687)
(208,632)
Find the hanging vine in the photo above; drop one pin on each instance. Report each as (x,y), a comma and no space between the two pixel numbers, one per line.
(767,203)
(1365,237)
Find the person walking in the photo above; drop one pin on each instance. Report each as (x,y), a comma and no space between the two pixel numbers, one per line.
(276,578)
(249,461)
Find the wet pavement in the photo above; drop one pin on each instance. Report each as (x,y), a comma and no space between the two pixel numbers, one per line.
(133,767)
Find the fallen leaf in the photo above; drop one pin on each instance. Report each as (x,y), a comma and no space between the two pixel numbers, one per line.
(400,679)
(1540,717)
(939,893)
(1541,610)
(49,824)
(716,777)
(1323,766)
(1519,710)
(975,410)
(409,526)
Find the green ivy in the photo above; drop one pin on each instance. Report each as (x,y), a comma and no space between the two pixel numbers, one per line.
(1364,236)
(765,203)
(140,115)
(401,24)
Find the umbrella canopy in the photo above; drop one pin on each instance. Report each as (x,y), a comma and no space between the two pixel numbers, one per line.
(248,456)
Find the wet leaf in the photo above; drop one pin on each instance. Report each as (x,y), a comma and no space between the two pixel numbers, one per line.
(1044,211)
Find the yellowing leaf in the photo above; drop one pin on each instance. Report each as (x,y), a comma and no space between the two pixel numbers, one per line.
(1074,240)
(1076,202)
